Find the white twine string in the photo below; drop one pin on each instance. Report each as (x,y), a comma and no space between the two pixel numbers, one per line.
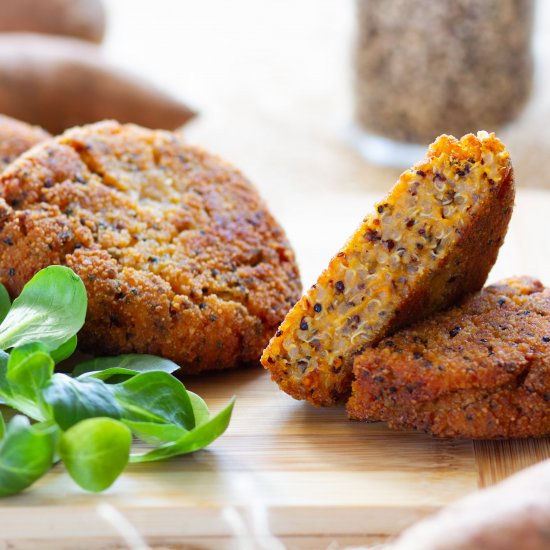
(122,526)
(251,529)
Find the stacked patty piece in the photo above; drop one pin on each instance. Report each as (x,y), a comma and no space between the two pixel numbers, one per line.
(481,369)
(478,370)
(179,255)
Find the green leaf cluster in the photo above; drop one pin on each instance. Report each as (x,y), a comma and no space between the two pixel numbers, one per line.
(87,419)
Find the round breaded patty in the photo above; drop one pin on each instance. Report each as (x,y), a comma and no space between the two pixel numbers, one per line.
(478,370)
(179,255)
(16,137)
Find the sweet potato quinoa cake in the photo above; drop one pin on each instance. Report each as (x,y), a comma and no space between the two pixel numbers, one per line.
(478,370)
(178,253)
(433,239)
(16,137)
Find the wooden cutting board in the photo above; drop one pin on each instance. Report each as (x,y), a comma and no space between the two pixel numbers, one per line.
(307,476)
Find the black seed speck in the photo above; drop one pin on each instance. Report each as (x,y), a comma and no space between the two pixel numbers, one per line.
(213,317)
(339,287)
(304,325)
(316,344)
(371,236)
(417,355)
(390,243)
(380,209)
(279,333)
(453,332)
(410,223)
(11,271)
(461,173)
(378,379)
(421,173)
(8,241)
(202,305)
(317,307)
(115,320)
(546,339)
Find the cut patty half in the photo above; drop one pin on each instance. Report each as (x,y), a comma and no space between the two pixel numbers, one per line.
(179,255)
(478,370)
(433,239)
(16,137)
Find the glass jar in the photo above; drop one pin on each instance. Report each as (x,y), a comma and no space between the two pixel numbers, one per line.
(428,67)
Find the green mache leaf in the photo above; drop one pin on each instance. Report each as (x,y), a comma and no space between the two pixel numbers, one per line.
(126,365)
(26,454)
(19,397)
(64,351)
(50,310)
(155,397)
(155,433)
(95,452)
(2,426)
(72,400)
(200,409)
(30,366)
(5,302)
(29,370)
(192,441)
(5,390)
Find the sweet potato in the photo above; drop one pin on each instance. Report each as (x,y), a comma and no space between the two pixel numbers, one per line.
(515,514)
(83,19)
(59,82)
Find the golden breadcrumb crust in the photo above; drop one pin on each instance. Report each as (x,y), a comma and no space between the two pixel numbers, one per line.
(432,240)
(478,370)
(179,255)
(16,137)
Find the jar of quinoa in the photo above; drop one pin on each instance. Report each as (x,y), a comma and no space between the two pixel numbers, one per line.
(430,67)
